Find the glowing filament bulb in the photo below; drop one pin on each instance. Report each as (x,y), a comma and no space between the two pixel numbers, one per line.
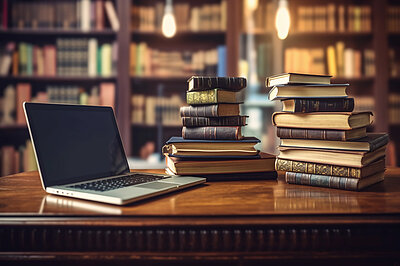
(168,26)
(282,20)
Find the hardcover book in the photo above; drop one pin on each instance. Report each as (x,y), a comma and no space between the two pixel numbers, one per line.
(212,133)
(210,97)
(215,110)
(329,169)
(333,181)
(336,157)
(184,167)
(371,142)
(327,120)
(318,105)
(280,92)
(322,134)
(214,121)
(297,78)
(207,83)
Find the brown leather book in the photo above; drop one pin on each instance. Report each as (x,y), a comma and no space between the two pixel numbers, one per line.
(321,134)
(344,183)
(214,110)
(226,83)
(212,133)
(23,95)
(214,121)
(318,105)
(328,169)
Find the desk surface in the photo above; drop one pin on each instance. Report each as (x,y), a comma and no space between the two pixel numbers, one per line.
(22,195)
(243,220)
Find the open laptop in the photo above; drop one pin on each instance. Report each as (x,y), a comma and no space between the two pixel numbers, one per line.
(79,154)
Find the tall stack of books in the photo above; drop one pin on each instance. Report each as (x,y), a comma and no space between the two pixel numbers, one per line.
(212,144)
(323,142)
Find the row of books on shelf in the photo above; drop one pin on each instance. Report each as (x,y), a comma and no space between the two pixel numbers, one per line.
(11,111)
(151,110)
(76,14)
(333,18)
(394,63)
(394,109)
(146,61)
(262,19)
(337,60)
(393,19)
(205,17)
(17,159)
(69,57)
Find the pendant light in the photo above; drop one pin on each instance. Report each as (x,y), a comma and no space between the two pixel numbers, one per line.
(282,19)
(168,26)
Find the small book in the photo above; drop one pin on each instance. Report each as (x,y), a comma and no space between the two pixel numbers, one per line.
(266,163)
(180,146)
(336,157)
(215,110)
(212,133)
(321,134)
(371,142)
(207,83)
(235,176)
(333,181)
(280,92)
(214,121)
(329,169)
(318,105)
(327,120)
(210,97)
(111,15)
(297,78)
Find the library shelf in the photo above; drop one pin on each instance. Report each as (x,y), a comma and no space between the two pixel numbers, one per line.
(56,32)
(334,34)
(68,79)
(13,127)
(197,34)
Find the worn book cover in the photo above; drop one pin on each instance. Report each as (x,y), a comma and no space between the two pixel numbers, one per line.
(303,105)
(212,133)
(321,134)
(297,78)
(214,121)
(210,97)
(206,83)
(214,110)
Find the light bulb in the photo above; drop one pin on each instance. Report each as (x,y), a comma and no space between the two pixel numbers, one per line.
(168,26)
(282,20)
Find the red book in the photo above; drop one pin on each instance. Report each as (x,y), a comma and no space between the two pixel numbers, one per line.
(23,94)
(5,14)
(107,94)
(50,60)
(99,15)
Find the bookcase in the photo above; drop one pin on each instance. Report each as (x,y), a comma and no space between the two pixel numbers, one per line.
(247,44)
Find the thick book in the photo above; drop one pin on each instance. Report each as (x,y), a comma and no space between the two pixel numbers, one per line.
(336,157)
(321,120)
(187,147)
(281,92)
(214,121)
(344,183)
(210,97)
(371,142)
(186,167)
(318,105)
(321,134)
(215,110)
(235,176)
(212,133)
(329,169)
(207,83)
(297,78)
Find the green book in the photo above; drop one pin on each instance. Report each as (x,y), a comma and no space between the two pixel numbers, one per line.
(98,55)
(29,59)
(22,50)
(210,97)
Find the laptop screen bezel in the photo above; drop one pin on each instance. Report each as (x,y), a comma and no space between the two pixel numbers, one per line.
(28,110)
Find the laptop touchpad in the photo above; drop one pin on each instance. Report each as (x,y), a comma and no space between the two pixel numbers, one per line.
(158,185)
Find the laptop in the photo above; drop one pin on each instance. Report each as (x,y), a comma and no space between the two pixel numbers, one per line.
(79,154)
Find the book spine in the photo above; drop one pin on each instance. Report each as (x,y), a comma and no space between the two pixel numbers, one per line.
(207,111)
(321,134)
(335,105)
(202,97)
(322,181)
(317,169)
(208,121)
(206,83)
(211,133)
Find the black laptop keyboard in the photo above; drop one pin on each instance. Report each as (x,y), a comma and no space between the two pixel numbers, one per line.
(118,182)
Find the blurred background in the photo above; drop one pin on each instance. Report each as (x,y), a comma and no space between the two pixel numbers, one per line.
(137,55)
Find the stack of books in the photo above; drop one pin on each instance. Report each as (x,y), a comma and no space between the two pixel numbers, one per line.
(212,144)
(323,142)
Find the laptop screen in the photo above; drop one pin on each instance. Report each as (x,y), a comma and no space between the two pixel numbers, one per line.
(75,143)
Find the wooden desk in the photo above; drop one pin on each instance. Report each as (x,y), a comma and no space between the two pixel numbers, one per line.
(224,222)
